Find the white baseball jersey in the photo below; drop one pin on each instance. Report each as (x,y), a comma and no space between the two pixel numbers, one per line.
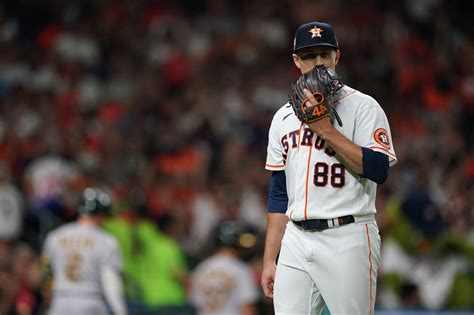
(221,285)
(318,185)
(76,254)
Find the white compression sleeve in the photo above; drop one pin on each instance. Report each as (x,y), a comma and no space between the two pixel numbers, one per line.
(113,290)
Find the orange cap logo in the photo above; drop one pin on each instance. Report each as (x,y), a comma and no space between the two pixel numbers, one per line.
(316,32)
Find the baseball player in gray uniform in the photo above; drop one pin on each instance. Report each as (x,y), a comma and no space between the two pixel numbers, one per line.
(223,283)
(85,263)
(322,194)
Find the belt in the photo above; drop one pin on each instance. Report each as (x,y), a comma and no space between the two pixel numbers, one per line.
(317,225)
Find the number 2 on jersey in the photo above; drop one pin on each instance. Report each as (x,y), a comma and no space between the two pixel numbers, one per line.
(336,175)
(73,266)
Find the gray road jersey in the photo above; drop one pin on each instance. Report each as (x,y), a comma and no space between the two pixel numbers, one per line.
(222,285)
(76,254)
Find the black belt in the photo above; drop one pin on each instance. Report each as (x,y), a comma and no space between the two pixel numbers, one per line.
(323,224)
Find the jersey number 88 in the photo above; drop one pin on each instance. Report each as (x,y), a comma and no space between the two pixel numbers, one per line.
(323,174)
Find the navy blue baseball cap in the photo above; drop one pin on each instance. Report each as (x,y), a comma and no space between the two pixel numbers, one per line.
(314,34)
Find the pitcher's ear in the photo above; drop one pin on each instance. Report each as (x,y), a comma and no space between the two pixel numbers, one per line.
(338,55)
(296,60)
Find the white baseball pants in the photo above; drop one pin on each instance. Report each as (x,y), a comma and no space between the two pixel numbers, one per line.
(337,267)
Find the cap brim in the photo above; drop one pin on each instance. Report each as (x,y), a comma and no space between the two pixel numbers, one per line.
(316,45)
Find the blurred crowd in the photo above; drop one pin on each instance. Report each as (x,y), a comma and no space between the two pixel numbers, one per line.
(167,105)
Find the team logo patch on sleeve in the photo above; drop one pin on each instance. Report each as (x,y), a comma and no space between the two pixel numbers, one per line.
(381,137)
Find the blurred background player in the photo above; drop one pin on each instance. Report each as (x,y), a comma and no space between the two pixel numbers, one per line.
(85,262)
(223,283)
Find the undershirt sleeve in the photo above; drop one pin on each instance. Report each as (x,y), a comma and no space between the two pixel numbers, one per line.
(376,165)
(277,195)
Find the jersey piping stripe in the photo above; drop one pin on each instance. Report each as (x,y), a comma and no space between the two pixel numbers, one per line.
(383,149)
(299,132)
(270,165)
(306,190)
(345,96)
(370,268)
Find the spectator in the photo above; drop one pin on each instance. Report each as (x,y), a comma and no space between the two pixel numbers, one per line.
(11,207)
(165,273)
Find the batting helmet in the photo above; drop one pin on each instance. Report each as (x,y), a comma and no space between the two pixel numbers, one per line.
(94,201)
(235,234)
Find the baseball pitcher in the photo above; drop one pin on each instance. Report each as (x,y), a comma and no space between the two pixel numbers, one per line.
(328,148)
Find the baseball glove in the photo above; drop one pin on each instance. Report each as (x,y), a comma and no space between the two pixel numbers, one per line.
(323,83)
